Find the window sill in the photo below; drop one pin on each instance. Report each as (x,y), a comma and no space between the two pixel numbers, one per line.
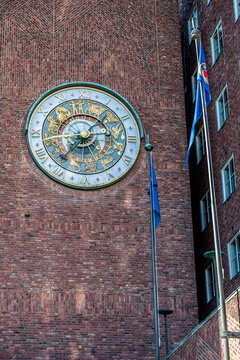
(219,128)
(235,276)
(216,58)
(225,200)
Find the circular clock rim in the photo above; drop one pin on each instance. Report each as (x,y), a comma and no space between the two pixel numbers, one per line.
(93,86)
(87,84)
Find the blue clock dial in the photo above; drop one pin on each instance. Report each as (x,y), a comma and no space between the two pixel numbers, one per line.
(83,136)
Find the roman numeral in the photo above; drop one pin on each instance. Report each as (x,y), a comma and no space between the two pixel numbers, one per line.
(60,97)
(108,101)
(84,180)
(59,172)
(36,133)
(85,93)
(127,159)
(132,138)
(110,176)
(41,155)
(125,117)
(42,111)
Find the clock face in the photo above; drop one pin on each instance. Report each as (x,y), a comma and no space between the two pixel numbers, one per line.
(83,135)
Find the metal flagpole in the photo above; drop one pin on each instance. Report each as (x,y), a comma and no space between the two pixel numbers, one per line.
(148,148)
(196,36)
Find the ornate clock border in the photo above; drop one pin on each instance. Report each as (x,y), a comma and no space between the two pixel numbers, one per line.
(84,135)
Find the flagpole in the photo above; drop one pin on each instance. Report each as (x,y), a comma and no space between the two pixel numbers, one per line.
(219,269)
(148,148)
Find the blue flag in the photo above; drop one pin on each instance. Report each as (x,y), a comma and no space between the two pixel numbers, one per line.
(155,202)
(202,76)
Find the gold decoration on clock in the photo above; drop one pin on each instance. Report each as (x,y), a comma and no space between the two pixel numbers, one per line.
(81,136)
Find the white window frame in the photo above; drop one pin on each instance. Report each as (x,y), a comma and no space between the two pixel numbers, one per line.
(194,85)
(205,210)
(218,35)
(200,145)
(236,5)
(222,107)
(210,282)
(228,178)
(194,14)
(234,255)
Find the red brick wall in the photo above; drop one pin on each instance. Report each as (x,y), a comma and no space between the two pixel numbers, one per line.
(204,342)
(223,143)
(75,266)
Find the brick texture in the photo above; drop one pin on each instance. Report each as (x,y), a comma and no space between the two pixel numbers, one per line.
(223,142)
(75,266)
(204,341)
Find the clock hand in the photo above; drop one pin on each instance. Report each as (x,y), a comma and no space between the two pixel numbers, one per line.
(74,145)
(77,134)
(107,133)
(97,124)
(58,136)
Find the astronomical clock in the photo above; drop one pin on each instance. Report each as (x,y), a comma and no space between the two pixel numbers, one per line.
(83,135)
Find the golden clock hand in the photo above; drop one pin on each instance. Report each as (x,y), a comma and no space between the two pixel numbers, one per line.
(57,136)
(77,134)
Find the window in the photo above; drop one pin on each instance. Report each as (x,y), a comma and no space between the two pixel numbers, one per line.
(222,107)
(193,15)
(194,85)
(205,209)
(200,145)
(217,42)
(236,4)
(228,178)
(234,255)
(210,282)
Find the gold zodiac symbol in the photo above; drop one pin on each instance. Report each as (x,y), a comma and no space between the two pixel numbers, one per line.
(94,109)
(91,166)
(62,114)
(118,146)
(73,163)
(110,118)
(52,125)
(106,162)
(116,130)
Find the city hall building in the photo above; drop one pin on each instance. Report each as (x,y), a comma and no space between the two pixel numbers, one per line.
(84,86)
